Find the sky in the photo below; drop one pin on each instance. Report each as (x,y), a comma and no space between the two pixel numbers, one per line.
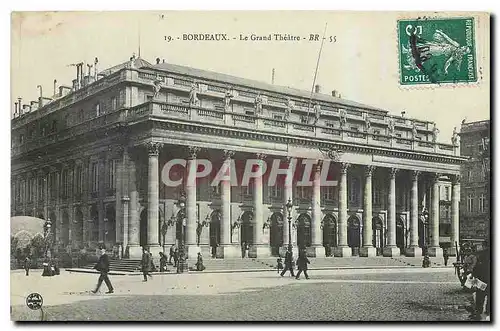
(361,63)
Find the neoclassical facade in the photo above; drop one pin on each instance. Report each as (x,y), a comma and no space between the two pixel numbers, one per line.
(92,158)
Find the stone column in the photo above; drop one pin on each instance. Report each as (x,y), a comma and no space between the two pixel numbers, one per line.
(133,233)
(368,250)
(153,196)
(288,195)
(227,249)
(343,249)
(258,210)
(414,250)
(125,198)
(191,221)
(455,226)
(434,249)
(391,249)
(316,234)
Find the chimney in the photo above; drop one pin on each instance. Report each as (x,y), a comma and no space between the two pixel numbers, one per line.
(272,77)
(317,89)
(33,105)
(19,104)
(40,98)
(15,109)
(26,109)
(55,86)
(85,81)
(76,83)
(334,94)
(81,74)
(157,60)
(96,61)
(163,60)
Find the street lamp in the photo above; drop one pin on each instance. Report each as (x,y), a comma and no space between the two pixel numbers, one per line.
(47,236)
(289,206)
(182,264)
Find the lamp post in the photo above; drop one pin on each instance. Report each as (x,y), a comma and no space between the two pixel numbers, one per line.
(289,206)
(47,236)
(163,230)
(182,264)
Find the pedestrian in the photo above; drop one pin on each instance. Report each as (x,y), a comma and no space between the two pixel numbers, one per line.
(445,257)
(199,263)
(481,272)
(302,263)
(163,262)
(27,265)
(288,262)
(426,262)
(145,264)
(279,262)
(172,251)
(152,267)
(103,267)
(247,249)
(243,249)
(176,257)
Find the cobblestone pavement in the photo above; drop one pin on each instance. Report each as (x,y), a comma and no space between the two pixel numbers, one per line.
(362,295)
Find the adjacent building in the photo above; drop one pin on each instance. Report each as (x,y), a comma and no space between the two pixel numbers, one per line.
(475,213)
(92,159)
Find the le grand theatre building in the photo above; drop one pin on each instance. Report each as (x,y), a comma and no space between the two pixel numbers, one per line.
(91,158)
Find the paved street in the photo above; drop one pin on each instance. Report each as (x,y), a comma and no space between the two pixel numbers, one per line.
(375,294)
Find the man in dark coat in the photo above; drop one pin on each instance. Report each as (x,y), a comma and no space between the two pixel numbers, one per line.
(445,257)
(288,262)
(27,265)
(145,264)
(481,271)
(103,267)
(302,263)
(163,262)
(172,254)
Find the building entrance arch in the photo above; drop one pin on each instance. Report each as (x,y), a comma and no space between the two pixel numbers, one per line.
(276,233)
(304,231)
(353,234)
(378,234)
(329,233)
(247,224)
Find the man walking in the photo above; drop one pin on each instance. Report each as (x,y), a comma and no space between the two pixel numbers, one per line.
(445,257)
(481,271)
(27,265)
(145,264)
(288,262)
(302,263)
(103,267)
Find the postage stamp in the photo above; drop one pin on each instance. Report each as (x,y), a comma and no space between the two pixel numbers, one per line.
(436,51)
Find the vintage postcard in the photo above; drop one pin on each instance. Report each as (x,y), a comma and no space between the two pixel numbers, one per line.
(197,166)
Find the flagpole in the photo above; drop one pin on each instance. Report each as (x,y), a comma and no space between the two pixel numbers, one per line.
(316,72)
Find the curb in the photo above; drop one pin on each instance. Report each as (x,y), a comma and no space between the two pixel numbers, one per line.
(119,273)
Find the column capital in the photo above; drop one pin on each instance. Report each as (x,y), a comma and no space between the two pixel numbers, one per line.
(455,179)
(260,156)
(228,154)
(435,176)
(393,172)
(369,170)
(154,148)
(414,175)
(343,167)
(193,151)
(318,166)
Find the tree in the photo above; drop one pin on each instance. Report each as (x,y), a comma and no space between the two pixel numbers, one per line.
(13,245)
(38,244)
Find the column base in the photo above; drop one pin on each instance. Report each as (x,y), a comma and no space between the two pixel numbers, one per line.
(368,251)
(134,252)
(155,250)
(317,251)
(260,251)
(414,251)
(228,251)
(392,251)
(435,251)
(192,252)
(343,251)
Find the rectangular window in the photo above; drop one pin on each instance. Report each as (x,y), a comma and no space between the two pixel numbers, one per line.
(97,109)
(377,194)
(79,179)
(112,174)
(276,191)
(277,117)
(216,189)
(304,119)
(95,177)
(303,192)
(114,103)
(353,190)
(248,112)
(470,202)
(329,193)
(481,203)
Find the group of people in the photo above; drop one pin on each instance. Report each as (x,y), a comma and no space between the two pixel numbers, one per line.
(302,262)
